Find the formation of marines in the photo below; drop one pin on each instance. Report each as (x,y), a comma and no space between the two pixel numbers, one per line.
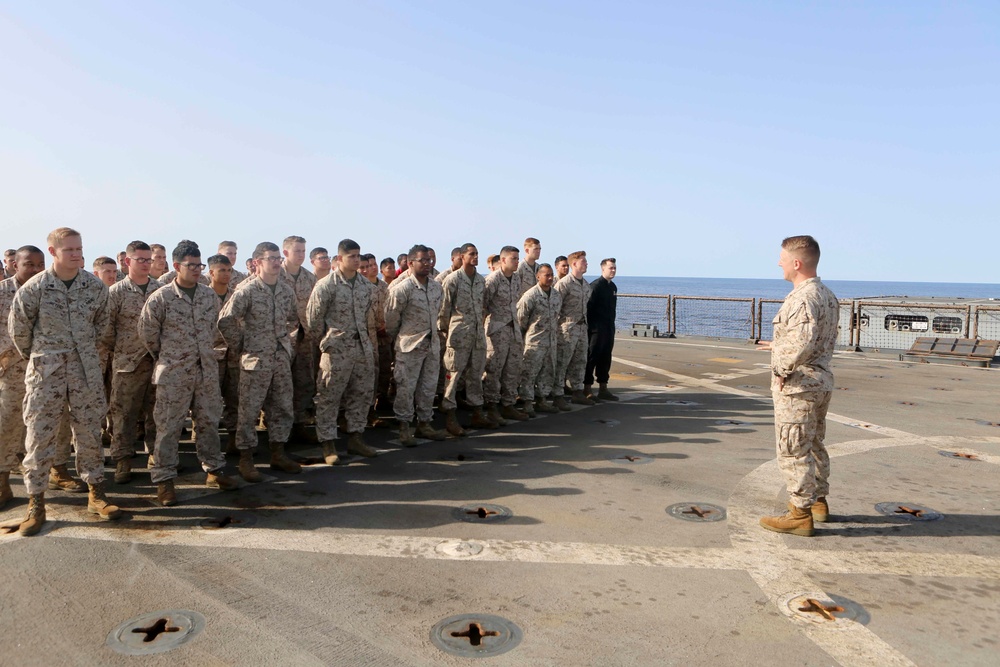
(133,350)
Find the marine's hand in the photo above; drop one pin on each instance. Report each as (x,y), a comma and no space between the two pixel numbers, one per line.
(763,345)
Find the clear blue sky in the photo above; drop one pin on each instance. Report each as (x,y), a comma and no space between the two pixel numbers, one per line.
(684,138)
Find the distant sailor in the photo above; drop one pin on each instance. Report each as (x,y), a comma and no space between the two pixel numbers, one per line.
(602,308)
(805,332)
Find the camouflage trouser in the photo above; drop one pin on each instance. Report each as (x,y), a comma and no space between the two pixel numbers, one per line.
(416,375)
(800,427)
(385,354)
(11,415)
(571,358)
(271,390)
(229,384)
(344,374)
(503,367)
(537,370)
(303,380)
(64,440)
(132,396)
(172,404)
(375,373)
(465,365)
(47,394)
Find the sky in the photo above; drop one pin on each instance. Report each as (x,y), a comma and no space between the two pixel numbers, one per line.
(682,138)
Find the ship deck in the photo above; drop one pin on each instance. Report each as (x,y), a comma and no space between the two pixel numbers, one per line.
(355,565)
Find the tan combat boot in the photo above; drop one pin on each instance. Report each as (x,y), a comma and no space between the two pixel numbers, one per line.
(165,493)
(97,503)
(356,445)
(246,467)
(605,395)
(6,494)
(560,403)
(427,431)
(581,398)
(406,435)
(451,424)
(480,420)
(529,409)
(511,413)
(123,471)
(280,461)
(61,480)
(493,414)
(796,521)
(330,452)
(36,515)
(216,479)
(820,510)
(541,405)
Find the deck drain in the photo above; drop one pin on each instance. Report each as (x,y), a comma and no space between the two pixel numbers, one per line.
(908,511)
(843,389)
(878,377)
(749,386)
(484,513)
(907,403)
(631,458)
(680,403)
(156,632)
(475,635)
(940,389)
(460,548)
(231,520)
(697,512)
(959,455)
(822,609)
(731,422)
(607,422)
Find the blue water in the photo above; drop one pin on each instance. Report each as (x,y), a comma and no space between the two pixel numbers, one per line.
(778,289)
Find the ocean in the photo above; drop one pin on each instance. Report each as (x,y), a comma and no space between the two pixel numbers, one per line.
(778,289)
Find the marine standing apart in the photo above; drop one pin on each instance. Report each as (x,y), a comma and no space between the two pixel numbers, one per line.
(177,326)
(602,309)
(55,320)
(805,332)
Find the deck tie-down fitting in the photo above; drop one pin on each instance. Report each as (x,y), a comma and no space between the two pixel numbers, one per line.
(475,634)
(817,607)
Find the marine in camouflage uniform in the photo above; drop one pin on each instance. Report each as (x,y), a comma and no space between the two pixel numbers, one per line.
(55,327)
(572,353)
(538,319)
(504,342)
(338,317)
(462,319)
(12,370)
(383,348)
(529,264)
(805,334)
(261,316)
(179,333)
(305,347)
(133,395)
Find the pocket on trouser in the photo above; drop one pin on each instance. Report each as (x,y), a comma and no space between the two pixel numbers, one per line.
(793,440)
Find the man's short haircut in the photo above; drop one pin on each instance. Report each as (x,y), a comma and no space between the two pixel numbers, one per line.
(539,267)
(56,236)
(609,260)
(346,246)
(227,244)
(185,249)
(367,257)
(561,258)
(492,259)
(136,245)
(388,261)
(290,241)
(267,246)
(531,242)
(156,246)
(249,263)
(509,250)
(415,250)
(27,250)
(573,256)
(403,255)
(466,247)
(318,250)
(103,260)
(805,246)
(9,252)
(215,260)
(455,252)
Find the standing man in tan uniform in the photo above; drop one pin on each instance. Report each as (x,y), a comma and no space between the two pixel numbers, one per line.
(805,333)
(462,320)
(55,320)
(527,268)
(220,273)
(28,261)
(304,347)
(229,250)
(159,265)
(177,326)
(133,394)
(538,319)
(260,314)
(337,317)
(504,344)
(572,359)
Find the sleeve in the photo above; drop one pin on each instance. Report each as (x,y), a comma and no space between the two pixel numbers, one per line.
(799,344)
(21,320)
(231,316)
(394,305)
(150,321)
(316,311)
(524,312)
(447,300)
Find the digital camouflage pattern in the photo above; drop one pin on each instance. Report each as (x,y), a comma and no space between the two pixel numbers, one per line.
(526,274)
(462,319)
(12,370)
(305,352)
(504,343)
(538,320)
(571,361)
(411,315)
